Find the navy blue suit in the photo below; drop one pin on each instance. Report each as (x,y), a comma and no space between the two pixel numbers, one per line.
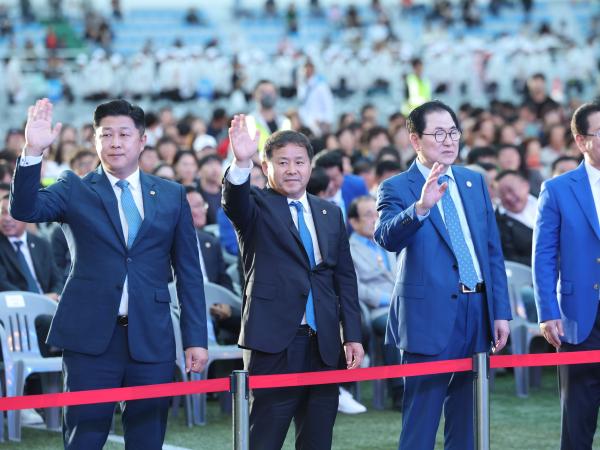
(430,319)
(566,275)
(278,281)
(97,351)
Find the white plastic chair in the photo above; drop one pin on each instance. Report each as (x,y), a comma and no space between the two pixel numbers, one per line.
(21,353)
(522,331)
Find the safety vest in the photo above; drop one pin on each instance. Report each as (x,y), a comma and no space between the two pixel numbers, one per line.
(419,92)
(264,132)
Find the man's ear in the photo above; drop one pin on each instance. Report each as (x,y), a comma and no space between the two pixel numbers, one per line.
(415,141)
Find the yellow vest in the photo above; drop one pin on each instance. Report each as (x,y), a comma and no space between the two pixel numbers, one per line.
(419,92)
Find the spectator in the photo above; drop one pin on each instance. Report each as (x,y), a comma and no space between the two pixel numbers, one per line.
(186,168)
(510,157)
(316,101)
(210,172)
(564,164)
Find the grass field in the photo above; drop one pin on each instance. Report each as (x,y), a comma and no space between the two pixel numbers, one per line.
(528,424)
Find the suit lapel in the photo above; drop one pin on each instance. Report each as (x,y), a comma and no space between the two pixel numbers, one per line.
(281,209)
(99,183)
(149,195)
(319,216)
(9,250)
(583,193)
(36,258)
(416,186)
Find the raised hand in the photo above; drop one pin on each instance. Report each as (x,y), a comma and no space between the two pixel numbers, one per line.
(39,133)
(243,145)
(432,192)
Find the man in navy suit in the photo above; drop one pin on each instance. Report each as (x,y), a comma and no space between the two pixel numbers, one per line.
(126,231)
(300,286)
(450,298)
(566,275)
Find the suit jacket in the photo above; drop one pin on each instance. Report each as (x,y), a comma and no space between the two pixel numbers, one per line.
(88,211)
(214,264)
(423,309)
(375,280)
(47,272)
(566,254)
(279,277)
(516,238)
(352,187)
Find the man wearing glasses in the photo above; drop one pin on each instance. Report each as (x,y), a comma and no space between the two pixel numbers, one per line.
(450,299)
(566,273)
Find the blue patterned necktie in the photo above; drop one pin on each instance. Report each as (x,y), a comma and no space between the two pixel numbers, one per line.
(132,214)
(307,242)
(31,283)
(466,268)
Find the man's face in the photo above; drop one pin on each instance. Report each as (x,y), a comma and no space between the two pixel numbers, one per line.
(119,144)
(364,225)
(590,145)
(149,160)
(198,207)
(211,172)
(378,142)
(347,142)
(9,226)
(564,166)
(84,165)
(336,179)
(266,95)
(513,192)
(288,170)
(428,149)
(509,159)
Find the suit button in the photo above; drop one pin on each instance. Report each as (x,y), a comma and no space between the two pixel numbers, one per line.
(596,286)
(129,260)
(454,296)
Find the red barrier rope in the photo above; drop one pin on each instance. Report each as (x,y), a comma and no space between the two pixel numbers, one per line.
(289,380)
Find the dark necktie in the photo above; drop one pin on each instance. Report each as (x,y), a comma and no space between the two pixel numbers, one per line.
(466,268)
(132,214)
(31,283)
(306,239)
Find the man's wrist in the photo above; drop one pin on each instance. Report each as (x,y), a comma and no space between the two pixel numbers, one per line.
(32,151)
(420,209)
(242,164)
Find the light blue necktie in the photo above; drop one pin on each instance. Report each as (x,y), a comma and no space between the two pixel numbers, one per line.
(466,269)
(132,214)
(31,283)
(306,238)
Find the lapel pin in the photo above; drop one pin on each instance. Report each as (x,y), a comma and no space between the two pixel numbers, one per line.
(324,211)
(152,192)
(469,184)
(207,244)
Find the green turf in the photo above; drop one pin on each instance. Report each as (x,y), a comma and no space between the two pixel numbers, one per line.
(527,424)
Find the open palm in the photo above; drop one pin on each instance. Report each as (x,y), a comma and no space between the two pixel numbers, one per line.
(243,145)
(39,133)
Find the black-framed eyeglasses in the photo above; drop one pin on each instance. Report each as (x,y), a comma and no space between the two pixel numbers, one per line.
(440,135)
(596,134)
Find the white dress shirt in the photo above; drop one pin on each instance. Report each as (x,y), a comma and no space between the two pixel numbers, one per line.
(25,250)
(594,177)
(527,216)
(135,188)
(460,209)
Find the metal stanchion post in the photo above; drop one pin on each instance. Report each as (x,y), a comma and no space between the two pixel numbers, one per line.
(240,390)
(481,403)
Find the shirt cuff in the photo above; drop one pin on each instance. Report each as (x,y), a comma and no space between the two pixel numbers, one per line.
(419,217)
(238,175)
(29,160)
(384,300)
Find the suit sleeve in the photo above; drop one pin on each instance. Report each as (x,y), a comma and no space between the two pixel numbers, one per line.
(346,288)
(500,302)
(397,222)
(239,205)
(29,203)
(56,276)
(188,276)
(367,292)
(546,245)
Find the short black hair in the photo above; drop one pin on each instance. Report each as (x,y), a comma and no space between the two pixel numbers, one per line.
(516,173)
(191,189)
(79,154)
(318,181)
(280,139)
(416,119)
(480,152)
(387,166)
(207,159)
(261,82)
(563,158)
(329,159)
(353,208)
(579,122)
(120,107)
(181,153)
(375,131)
(362,165)
(388,150)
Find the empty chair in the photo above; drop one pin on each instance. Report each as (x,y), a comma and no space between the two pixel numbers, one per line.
(21,353)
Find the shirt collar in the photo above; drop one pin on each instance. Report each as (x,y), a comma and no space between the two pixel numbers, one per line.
(303,200)
(22,238)
(425,171)
(133,179)
(364,240)
(592,172)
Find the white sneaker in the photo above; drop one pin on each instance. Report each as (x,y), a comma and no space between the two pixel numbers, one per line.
(30,417)
(348,405)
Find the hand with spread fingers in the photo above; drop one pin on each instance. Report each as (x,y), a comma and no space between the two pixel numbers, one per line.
(244,146)
(39,133)
(432,192)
